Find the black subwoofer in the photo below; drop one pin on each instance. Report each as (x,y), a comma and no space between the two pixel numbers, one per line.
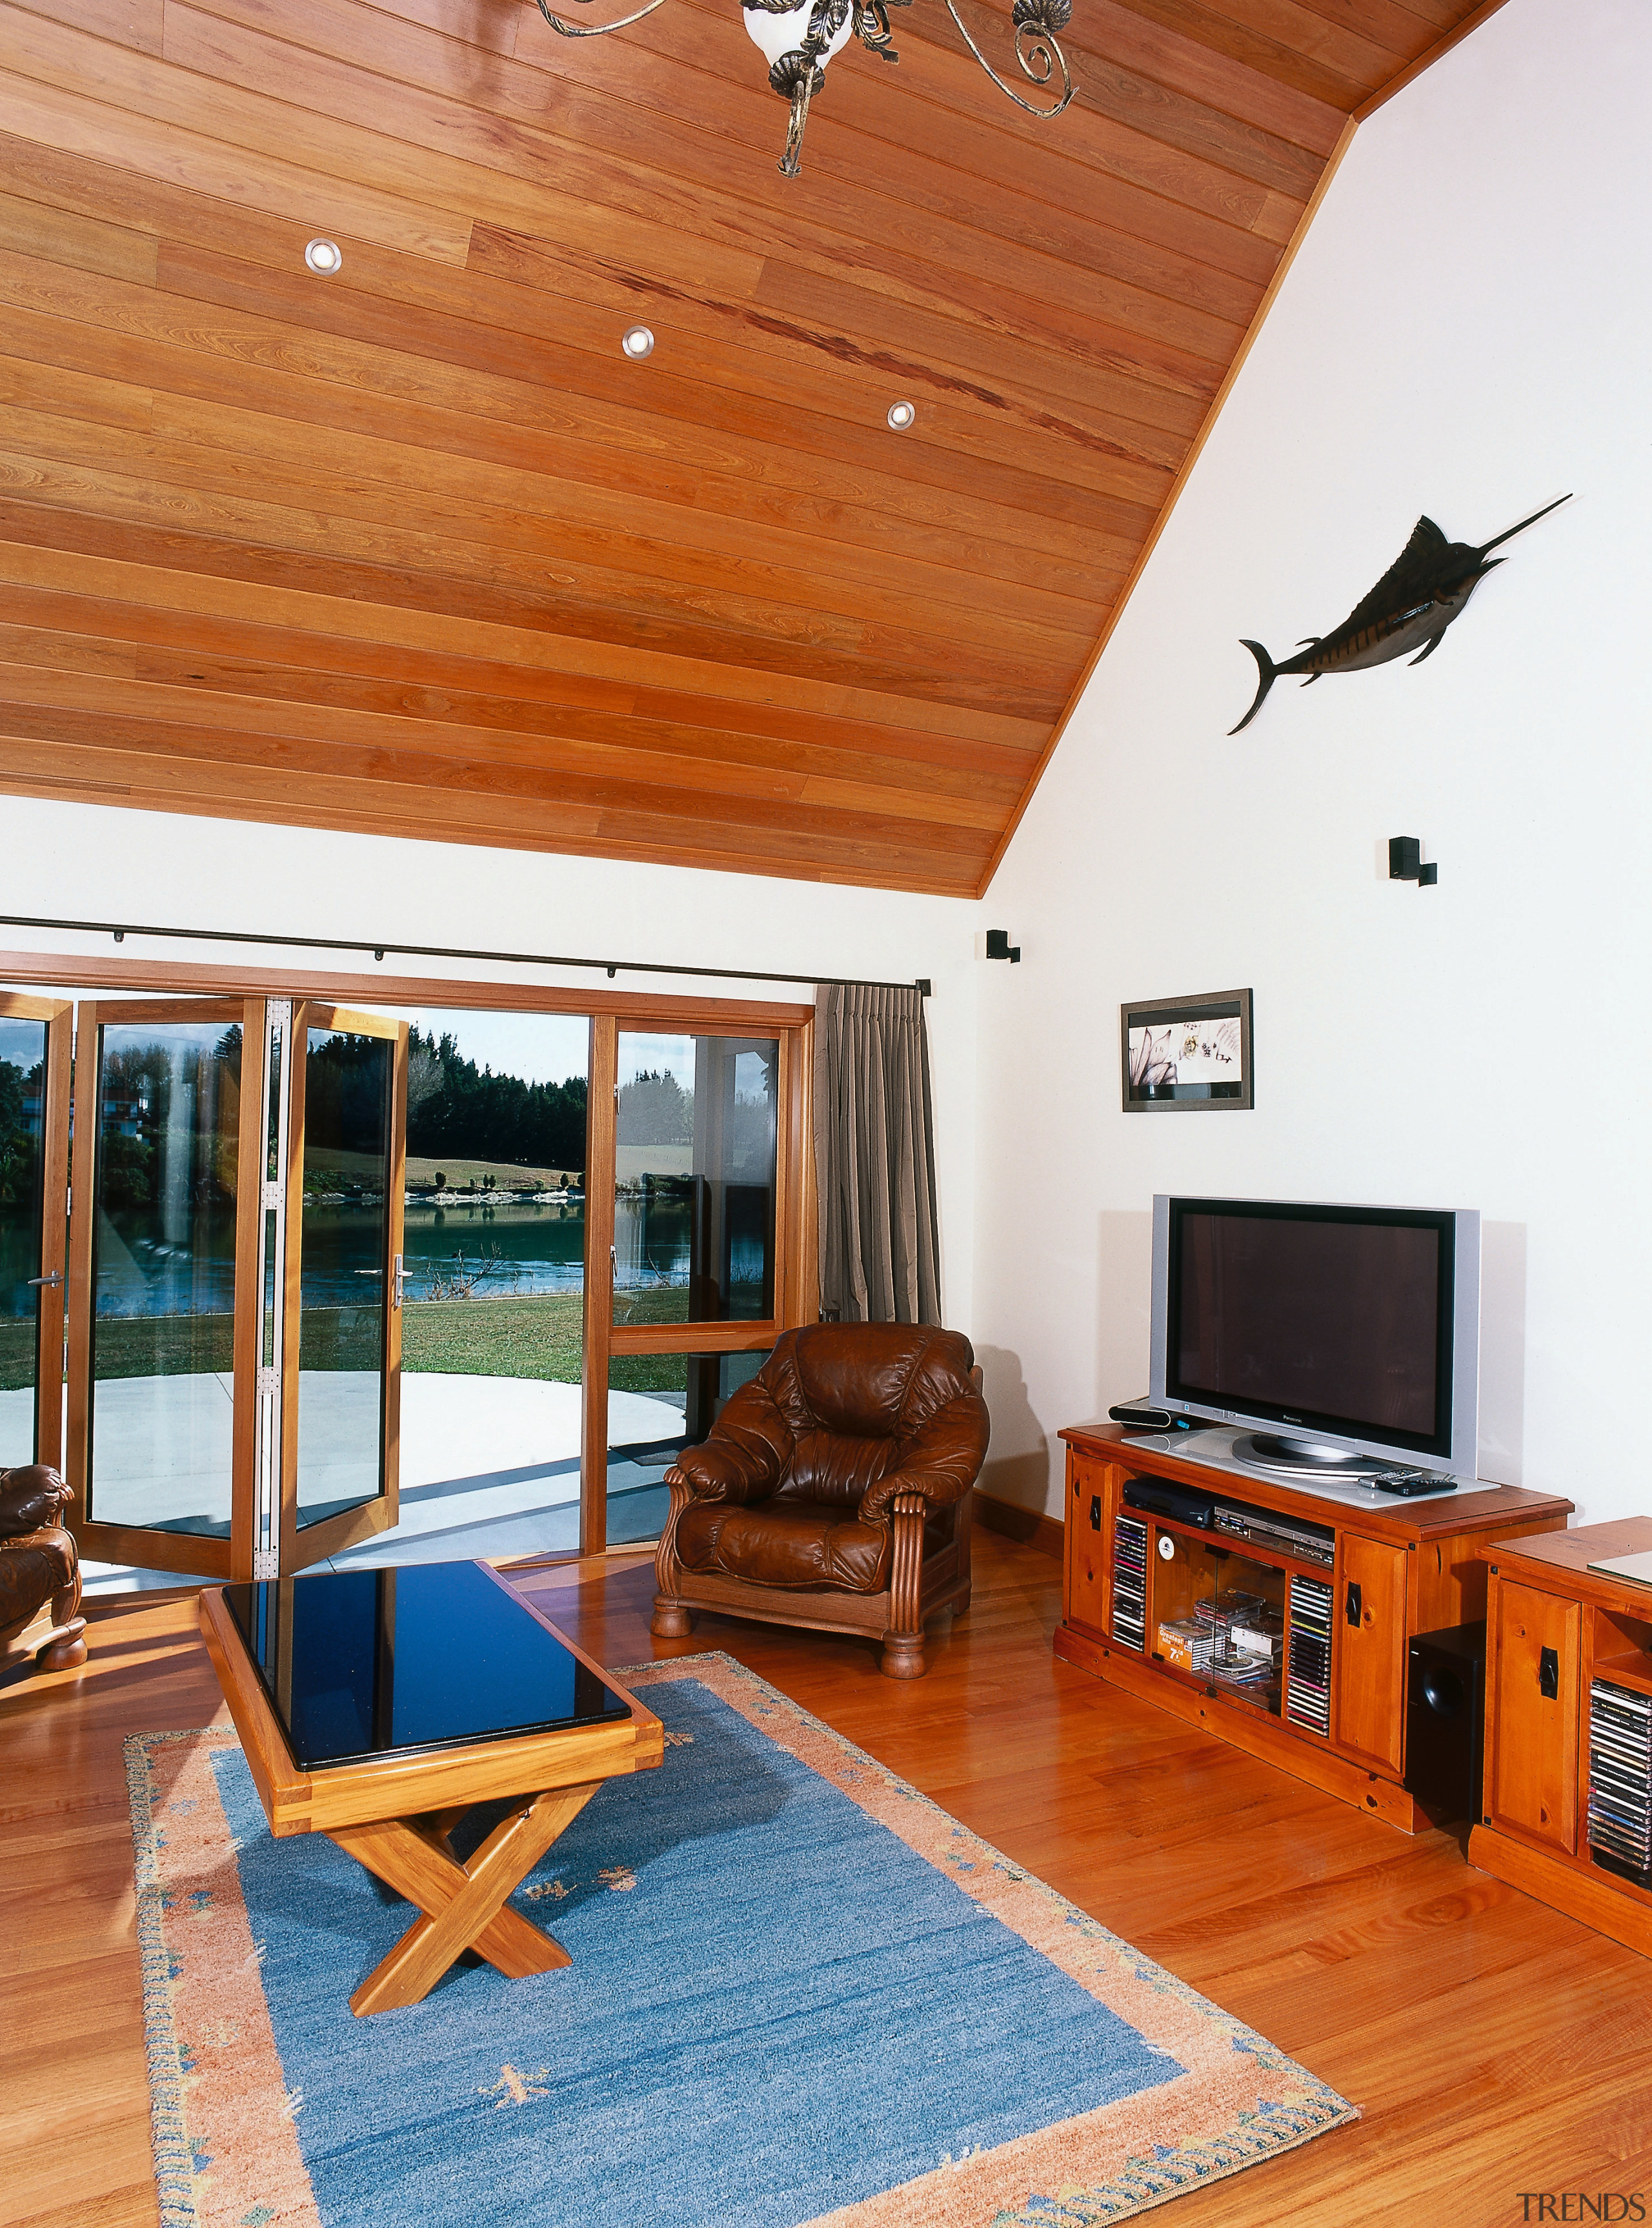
(1445,1721)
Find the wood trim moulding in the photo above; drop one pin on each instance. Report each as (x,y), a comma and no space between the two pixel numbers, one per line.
(1033,1529)
(79,971)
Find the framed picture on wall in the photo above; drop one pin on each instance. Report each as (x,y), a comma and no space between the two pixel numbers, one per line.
(1188,1054)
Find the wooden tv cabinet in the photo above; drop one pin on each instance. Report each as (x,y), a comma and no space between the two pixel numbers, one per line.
(1546,1602)
(1339,1721)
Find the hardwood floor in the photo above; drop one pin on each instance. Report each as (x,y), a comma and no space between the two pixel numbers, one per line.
(1493,2046)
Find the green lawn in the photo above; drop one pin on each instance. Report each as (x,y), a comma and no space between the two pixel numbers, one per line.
(535,1336)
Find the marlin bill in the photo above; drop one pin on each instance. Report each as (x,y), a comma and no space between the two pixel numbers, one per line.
(1410,608)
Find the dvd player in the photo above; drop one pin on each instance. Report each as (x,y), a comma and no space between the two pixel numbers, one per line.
(1291,1535)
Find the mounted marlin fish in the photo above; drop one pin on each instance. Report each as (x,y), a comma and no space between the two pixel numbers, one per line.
(1410,608)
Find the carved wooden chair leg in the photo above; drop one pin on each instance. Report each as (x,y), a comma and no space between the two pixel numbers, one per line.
(67,1649)
(903,1644)
(671,1619)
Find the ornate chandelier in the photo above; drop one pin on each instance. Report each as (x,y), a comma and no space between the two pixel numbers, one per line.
(799,37)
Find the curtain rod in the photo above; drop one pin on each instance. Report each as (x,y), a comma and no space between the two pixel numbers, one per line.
(121,930)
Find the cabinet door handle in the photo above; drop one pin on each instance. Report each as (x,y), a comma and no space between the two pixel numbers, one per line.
(1356,1606)
(1549,1675)
(1095,1512)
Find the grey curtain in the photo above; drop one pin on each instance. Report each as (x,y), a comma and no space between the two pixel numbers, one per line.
(874,1158)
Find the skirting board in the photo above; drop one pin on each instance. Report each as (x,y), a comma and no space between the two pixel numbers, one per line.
(1032,1529)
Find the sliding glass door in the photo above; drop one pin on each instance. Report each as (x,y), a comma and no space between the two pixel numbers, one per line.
(34,1044)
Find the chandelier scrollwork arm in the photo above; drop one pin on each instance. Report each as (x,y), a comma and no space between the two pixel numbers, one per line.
(1038,50)
(595,30)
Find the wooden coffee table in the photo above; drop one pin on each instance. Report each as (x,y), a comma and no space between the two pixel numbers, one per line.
(378,1706)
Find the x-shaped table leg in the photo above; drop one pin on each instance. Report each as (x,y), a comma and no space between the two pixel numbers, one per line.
(464,1905)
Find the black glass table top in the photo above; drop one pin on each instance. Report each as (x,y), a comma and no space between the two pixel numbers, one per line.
(358,1663)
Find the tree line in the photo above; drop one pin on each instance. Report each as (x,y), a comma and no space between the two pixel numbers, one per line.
(459,1111)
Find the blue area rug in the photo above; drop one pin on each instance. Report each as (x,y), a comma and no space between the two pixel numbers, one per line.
(800,1994)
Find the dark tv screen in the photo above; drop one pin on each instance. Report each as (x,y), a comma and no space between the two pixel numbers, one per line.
(1337,1317)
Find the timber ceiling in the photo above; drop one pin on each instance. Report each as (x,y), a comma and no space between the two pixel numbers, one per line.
(415,549)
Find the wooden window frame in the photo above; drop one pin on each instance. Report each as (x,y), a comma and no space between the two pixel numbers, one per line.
(796,1277)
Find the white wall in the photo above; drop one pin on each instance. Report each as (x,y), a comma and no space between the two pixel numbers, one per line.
(1466,332)
(102,863)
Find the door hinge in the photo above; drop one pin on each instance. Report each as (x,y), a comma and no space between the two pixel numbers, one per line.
(274,1191)
(267,1563)
(269,1383)
(278,1012)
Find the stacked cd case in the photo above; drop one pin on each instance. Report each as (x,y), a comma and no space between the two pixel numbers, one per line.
(1620,1780)
(1308,1672)
(1129,1581)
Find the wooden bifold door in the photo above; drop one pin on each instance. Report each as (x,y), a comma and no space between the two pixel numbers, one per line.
(233,1277)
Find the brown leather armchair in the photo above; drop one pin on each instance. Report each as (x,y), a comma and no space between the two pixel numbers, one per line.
(39,1572)
(834,1490)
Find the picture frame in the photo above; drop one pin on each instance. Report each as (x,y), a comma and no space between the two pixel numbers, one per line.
(1187,1055)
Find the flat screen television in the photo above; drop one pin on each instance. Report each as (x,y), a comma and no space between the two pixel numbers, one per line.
(1345,1338)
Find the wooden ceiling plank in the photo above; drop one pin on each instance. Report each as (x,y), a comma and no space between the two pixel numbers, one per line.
(158,643)
(708,176)
(568,416)
(732,557)
(128,23)
(760,571)
(1404,28)
(1240,42)
(69,653)
(74,393)
(35,228)
(168,569)
(1039,189)
(1359,57)
(1119,31)
(773,820)
(59,118)
(36,696)
(985,684)
(778,362)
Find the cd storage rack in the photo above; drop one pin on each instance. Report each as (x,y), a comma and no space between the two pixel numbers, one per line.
(1620,1780)
(1129,1581)
(1308,1672)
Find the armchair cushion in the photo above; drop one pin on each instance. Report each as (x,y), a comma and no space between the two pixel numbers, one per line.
(796,1545)
(30,1498)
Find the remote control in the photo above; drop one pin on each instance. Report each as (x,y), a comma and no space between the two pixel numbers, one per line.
(1409,1483)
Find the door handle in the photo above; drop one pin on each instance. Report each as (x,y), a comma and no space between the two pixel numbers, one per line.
(1355,1605)
(399,1279)
(1549,1675)
(1095,1512)
(56,1277)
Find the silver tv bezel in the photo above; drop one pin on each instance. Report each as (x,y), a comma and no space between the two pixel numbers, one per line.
(1464,1459)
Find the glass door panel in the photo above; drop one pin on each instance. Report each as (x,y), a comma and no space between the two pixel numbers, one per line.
(695,1178)
(34,1140)
(163,1248)
(342,1341)
(657,1404)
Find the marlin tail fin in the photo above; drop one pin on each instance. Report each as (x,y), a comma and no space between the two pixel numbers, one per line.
(1524,522)
(1268,670)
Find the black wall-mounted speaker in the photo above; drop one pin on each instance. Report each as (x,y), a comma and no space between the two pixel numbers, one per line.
(1445,1721)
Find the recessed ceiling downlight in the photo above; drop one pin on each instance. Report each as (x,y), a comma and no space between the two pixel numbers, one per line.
(323,257)
(637,342)
(901,415)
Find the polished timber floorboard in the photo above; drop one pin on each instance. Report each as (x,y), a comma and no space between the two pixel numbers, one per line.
(1494,2046)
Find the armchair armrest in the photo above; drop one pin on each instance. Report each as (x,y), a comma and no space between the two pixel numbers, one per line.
(30,1499)
(941,1461)
(743,1456)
